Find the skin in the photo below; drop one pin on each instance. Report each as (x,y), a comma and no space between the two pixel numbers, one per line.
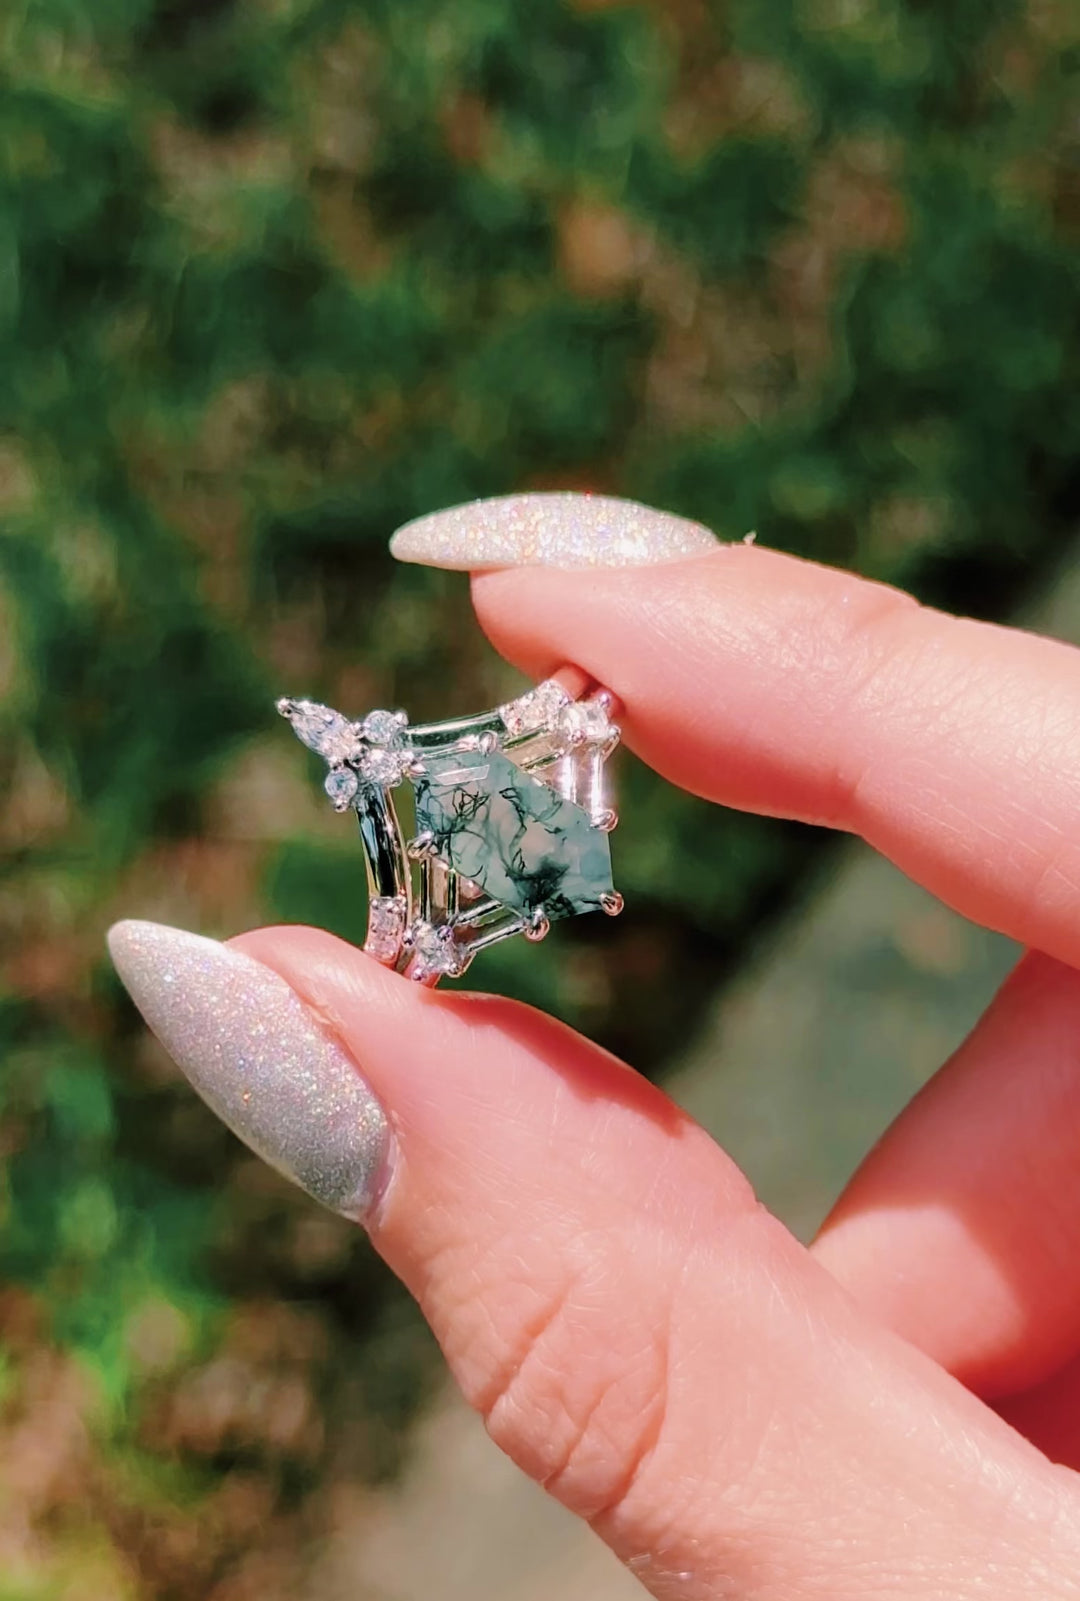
(896,1411)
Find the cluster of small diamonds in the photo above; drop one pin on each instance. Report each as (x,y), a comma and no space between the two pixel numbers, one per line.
(572,724)
(537,708)
(374,752)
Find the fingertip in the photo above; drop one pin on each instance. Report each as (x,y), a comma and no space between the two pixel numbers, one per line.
(610,1296)
(561,529)
(320,964)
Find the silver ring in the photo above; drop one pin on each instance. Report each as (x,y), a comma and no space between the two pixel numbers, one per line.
(512,819)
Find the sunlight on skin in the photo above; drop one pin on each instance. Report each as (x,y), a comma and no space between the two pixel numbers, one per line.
(735,1415)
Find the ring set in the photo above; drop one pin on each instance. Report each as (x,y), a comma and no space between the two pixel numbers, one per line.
(511,818)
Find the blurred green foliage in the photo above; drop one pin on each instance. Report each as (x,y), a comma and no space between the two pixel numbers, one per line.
(276,275)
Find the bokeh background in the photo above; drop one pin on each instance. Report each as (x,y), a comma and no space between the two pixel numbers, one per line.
(276,275)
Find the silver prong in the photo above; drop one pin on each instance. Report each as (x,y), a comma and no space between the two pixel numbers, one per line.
(423,844)
(591,788)
(566,777)
(478,911)
(612,739)
(438,902)
(502,923)
(612,902)
(415,769)
(487,743)
(606,820)
(402,719)
(286,705)
(606,699)
(537,926)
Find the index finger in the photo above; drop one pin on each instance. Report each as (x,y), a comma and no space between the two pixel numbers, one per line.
(785,688)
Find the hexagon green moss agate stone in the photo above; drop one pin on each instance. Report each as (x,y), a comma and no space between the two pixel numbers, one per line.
(516,837)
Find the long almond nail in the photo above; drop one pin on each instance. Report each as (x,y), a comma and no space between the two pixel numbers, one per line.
(260,1060)
(550,530)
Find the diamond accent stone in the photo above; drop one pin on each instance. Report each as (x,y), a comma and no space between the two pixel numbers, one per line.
(385,768)
(537,708)
(382,728)
(386,925)
(585,722)
(341,784)
(435,953)
(323,730)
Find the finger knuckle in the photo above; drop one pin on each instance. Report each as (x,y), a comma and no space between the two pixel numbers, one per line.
(579,1399)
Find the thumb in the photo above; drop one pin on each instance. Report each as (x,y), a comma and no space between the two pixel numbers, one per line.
(637,1333)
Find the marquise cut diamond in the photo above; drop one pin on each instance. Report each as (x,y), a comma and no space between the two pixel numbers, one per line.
(323,730)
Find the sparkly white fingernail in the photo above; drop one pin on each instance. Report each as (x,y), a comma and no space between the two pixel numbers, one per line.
(550,530)
(258,1058)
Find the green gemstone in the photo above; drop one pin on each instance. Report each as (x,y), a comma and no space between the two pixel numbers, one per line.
(519,839)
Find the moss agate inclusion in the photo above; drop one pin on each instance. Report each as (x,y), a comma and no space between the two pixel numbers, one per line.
(521,841)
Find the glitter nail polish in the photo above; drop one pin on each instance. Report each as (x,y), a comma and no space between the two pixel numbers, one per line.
(550,530)
(256,1055)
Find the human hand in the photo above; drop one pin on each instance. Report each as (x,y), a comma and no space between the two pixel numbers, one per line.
(883,1415)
